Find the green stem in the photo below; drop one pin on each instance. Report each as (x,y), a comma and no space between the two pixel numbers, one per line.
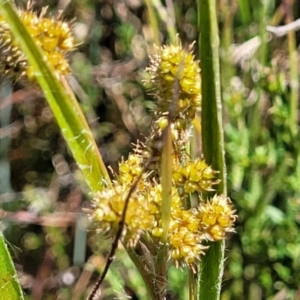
(211,267)
(255,114)
(153,22)
(192,285)
(211,112)
(211,272)
(166,183)
(165,18)
(245,11)
(294,74)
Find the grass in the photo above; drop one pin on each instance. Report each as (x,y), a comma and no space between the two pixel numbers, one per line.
(260,108)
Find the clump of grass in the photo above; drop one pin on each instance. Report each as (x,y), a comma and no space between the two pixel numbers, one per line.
(148,204)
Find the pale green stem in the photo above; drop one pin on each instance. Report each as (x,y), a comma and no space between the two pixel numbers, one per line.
(166,183)
(192,285)
(294,80)
(166,18)
(153,22)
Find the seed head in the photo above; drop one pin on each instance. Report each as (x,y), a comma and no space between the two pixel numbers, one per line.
(195,176)
(109,205)
(52,35)
(217,217)
(186,241)
(174,71)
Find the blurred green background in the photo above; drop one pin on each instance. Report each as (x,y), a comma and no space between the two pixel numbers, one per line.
(43,198)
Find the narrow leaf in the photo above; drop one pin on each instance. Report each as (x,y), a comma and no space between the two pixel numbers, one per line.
(10,288)
(211,267)
(62,103)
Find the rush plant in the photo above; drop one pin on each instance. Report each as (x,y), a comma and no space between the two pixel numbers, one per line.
(165,205)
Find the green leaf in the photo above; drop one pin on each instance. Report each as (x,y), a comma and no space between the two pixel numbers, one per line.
(63,104)
(211,267)
(10,288)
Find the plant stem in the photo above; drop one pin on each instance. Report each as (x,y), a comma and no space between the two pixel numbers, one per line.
(192,285)
(294,73)
(153,22)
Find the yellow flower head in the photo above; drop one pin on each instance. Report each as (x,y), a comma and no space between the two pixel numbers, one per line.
(186,248)
(109,205)
(185,238)
(195,176)
(217,217)
(175,75)
(52,35)
(130,169)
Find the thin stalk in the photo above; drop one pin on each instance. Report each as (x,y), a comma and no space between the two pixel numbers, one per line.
(211,267)
(294,81)
(165,18)
(245,11)
(153,22)
(166,183)
(255,113)
(192,285)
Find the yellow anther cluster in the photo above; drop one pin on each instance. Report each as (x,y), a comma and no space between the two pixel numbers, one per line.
(217,217)
(175,75)
(53,35)
(186,241)
(109,205)
(186,247)
(130,169)
(195,176)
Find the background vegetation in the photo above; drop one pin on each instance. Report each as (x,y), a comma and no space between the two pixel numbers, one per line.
(43,198)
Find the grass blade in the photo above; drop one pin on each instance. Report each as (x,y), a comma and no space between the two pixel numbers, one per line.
(62,103)
(10,288)
(211,267)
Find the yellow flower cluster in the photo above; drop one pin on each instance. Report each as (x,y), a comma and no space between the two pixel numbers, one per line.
(189,228)
(195,176)
(130,169)
(185,238)
(53,35)
(175,75)
(140,214)
(217,217)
